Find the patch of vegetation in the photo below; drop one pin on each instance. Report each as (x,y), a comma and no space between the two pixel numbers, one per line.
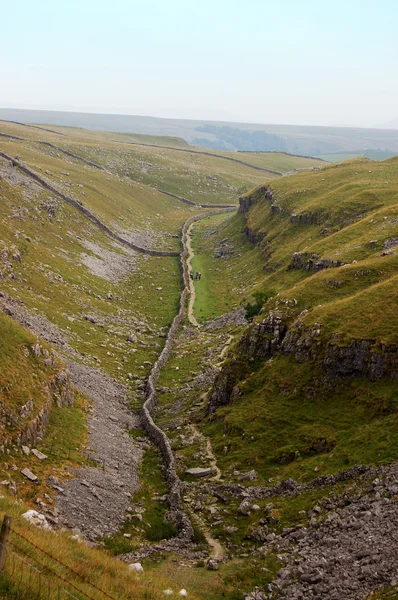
(91,564)
(226,281)
(150,505)
(287,423)
(254,308)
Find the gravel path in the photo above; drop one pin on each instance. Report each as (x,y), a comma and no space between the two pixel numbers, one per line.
(192,293)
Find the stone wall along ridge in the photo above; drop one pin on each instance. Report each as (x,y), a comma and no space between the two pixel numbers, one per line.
(84,210)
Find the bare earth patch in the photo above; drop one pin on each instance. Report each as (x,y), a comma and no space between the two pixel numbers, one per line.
(111,266)
(96,500)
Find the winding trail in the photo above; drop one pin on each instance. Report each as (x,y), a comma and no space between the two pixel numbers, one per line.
(192,292)
(154,432)
(225,349)
(209,451)
(217,549)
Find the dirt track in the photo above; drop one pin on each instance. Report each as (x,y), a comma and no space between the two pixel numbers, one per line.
(192,292)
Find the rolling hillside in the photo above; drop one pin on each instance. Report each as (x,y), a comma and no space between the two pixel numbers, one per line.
(304,398)
(227,136)
(201,442)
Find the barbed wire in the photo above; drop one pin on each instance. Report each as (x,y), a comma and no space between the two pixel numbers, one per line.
(29,585)
(53,573)
(63,565)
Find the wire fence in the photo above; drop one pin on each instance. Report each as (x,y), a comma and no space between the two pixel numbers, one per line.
(28,572)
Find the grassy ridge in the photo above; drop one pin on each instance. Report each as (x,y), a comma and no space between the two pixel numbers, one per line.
(286,420)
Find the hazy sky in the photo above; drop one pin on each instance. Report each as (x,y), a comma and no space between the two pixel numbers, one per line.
(310,62)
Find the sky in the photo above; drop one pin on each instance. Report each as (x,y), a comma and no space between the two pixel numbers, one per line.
(304,62)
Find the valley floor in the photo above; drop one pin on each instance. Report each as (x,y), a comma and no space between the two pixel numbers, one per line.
(176,431)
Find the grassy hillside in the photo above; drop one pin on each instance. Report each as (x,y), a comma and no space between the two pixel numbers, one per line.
(306,389)
(328,254)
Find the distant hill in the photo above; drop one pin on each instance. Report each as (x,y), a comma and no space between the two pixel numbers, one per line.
(372,154)
(227,136)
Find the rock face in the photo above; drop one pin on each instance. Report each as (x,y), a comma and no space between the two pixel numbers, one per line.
(360,358)
(312,262)
(31,424)
(261,340)
(245,202)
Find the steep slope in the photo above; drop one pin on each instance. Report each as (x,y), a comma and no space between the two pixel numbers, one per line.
(293,420)
(316,369)
(306,391)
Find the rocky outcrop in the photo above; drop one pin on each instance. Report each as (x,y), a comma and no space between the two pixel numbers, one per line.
(253,236)
(308,218)
(362,358)
(348,549)
(311,262)
(30,426)
(358,358)
(260,341)
(391,243)
(245,202)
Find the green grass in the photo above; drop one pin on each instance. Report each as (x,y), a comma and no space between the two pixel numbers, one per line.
(288,419)
(225,282)
(372,154)
(91,564)
(154,526)
(278,161)
(231,582)
(287,423)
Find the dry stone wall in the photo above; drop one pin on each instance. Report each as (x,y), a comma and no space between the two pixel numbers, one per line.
(191,151)
(68,153)
(155,433)
(84,210)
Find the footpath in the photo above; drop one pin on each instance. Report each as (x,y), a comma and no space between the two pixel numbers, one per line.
(154,432)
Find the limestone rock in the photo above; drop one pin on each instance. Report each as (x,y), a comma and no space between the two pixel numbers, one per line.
(244,508)
(29,475)
(212,564)
(36,519)
(249,476)
(136,567)
(199,471)
(39,454)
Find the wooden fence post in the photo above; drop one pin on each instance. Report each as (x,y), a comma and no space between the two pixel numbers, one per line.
(4,533)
